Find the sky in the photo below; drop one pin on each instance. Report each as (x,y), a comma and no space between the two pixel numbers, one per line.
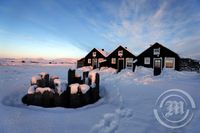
(71,28)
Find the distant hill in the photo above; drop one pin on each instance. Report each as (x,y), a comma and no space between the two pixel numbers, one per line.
(36,61)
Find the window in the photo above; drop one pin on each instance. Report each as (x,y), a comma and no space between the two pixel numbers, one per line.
(94,54)
(89,61)
(157,63)
(129,62)
(169,62)
(113,61)
(101,60)
(147,60)
(120,53)
(129,59)
(156,51)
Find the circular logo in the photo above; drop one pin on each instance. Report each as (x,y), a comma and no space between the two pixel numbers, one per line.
(174,108)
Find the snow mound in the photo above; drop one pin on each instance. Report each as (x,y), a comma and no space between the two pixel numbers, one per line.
(86,68)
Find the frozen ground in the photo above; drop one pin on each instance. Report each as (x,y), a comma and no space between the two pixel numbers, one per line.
(126,107)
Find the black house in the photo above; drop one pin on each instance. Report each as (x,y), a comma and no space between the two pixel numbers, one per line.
(158,56)
(93,58)
(120,58)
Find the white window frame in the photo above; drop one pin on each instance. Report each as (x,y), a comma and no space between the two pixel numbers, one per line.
(94,54)
(147,62)
(100,60)
(170,58)
(120,53)
(160,62)
(89,61)
(156,51)
(113,60)
(129,60)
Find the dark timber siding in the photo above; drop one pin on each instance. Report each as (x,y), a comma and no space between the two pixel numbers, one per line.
(114,54)
(164,52)
(90,56)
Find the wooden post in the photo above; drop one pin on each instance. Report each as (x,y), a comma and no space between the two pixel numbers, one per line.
(71,76)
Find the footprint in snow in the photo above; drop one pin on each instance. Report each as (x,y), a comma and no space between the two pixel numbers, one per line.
(110,121)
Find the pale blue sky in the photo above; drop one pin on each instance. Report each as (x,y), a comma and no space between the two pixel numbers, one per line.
(71,28)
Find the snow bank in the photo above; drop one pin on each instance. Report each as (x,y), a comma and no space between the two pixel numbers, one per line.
(74,88)
(42,90)
(86,68)
(92,76)
(84,88)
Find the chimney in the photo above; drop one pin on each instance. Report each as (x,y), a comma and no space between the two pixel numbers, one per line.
(102,49)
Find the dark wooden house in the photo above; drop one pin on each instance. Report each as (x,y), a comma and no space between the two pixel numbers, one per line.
(93,58)
(120,58)
(158,56)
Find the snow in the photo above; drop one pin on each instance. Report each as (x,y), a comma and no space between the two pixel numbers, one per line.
(43,89)
(32,89)
(59,87)
(74,88)
(92,76)
(34,79)
(84,69)
(43,74)
(84,88)
(103,52)
(37,62)
(126,106)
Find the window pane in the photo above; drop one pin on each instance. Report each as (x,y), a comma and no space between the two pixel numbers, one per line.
(157,63)
(113,61)
(169,63)
(147,60)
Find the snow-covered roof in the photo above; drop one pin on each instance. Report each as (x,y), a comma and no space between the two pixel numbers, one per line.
(103,52)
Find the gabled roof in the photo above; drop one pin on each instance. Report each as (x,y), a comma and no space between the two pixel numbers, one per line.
(160,45)
(103,52)
(123,49)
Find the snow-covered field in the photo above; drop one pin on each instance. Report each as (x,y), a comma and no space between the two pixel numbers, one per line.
(127,103)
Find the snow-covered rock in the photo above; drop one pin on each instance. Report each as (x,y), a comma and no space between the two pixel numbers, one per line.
(74,88)
(34,79)
(84,88)
(32,89)
(42,90)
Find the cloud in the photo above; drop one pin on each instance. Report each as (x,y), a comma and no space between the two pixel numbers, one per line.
(140,23)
